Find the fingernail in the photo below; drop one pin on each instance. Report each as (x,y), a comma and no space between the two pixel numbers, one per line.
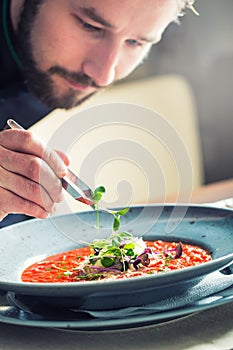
(63,171)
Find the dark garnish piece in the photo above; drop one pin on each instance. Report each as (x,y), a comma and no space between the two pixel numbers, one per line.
(174,253)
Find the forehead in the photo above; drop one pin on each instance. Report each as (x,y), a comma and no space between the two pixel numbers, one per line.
(150,16)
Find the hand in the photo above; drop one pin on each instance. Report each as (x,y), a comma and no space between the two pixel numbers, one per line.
(29,175)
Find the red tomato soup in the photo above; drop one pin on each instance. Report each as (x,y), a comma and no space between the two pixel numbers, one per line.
(75,266)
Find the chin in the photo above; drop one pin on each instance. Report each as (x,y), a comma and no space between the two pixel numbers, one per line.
(68,105)
(68,101)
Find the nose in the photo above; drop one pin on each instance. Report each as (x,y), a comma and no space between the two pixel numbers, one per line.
(102,63)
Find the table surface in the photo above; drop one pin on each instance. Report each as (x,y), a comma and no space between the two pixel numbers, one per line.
(208,330)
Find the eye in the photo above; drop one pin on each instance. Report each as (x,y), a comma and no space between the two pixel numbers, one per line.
(134,43)
(90,28)
(87,26)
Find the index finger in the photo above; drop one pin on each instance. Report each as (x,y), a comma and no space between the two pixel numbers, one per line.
(23,141)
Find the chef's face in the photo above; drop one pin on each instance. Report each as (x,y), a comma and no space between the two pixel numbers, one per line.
(70,49)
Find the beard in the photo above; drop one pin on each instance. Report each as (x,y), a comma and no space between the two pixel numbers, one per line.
(38,82)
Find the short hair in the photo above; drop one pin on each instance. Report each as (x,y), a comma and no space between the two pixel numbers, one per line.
(183,4)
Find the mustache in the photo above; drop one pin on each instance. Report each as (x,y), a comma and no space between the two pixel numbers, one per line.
(75,77)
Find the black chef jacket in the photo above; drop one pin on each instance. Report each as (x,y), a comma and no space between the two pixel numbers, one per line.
(15,100)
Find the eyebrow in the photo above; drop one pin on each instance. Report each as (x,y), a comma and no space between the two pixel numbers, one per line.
(91,13)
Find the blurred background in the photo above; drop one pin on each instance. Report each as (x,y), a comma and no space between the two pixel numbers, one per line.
(201,50)
(187,80)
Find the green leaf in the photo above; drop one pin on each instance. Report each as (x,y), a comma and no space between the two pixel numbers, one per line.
(106,262)
(116,223)
(93,260)
(125,235)
(130,252)
(129,246)
(115,251)
(116,241)
(122,211)
(97,196)
(100,189)
(99,244)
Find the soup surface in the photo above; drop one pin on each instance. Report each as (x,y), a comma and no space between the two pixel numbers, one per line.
(108,261)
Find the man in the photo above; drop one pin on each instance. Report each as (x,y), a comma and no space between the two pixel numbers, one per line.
(57,54)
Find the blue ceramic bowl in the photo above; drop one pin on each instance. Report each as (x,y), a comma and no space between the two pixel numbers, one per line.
(28,242)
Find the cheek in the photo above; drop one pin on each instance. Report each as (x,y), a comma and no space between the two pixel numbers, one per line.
(53,46)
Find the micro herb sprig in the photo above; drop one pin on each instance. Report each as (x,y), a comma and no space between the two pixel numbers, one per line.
(97,196)
(117,252)
(98,193)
